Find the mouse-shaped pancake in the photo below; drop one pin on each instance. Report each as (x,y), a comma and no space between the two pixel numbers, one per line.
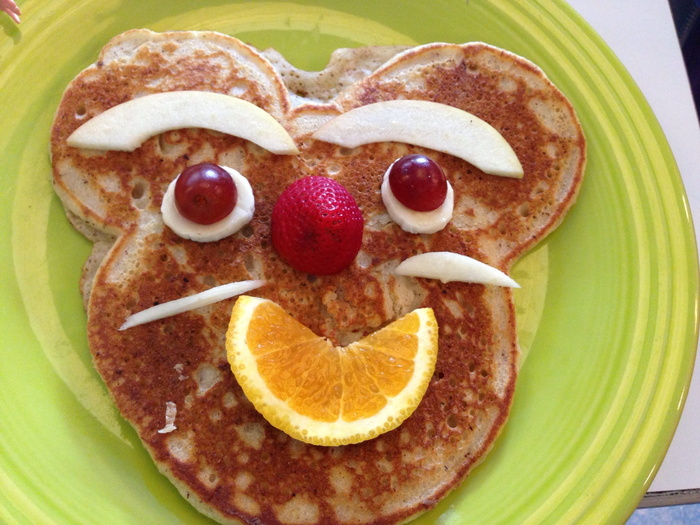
(222,455)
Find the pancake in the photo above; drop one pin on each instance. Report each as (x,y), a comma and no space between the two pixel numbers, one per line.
(222,455)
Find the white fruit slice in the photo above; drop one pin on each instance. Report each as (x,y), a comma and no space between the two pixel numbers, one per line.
(450,266)
(241,214)
(126,126)
(191,302)
(427,124)
(413,221)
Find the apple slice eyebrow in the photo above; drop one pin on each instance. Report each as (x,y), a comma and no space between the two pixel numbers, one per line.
(126,126)
(451,266)
(428,124)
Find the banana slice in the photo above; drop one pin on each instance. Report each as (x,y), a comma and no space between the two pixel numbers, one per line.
(241,214)
(413,221)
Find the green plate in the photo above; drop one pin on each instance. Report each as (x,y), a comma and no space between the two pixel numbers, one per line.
(608,309)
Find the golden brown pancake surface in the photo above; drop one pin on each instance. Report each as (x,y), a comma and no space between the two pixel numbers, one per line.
(223,456)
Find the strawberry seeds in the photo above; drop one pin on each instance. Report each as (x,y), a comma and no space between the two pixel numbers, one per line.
(317,226)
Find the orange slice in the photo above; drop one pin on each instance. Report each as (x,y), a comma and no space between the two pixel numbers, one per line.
(324,394)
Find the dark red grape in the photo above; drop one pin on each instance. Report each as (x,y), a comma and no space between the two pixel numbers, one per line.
(205,193)
(418,182)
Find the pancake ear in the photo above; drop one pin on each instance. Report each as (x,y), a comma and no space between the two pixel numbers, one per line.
(111,190)
(503,216)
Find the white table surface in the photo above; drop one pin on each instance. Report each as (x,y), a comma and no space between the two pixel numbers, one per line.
(642,35)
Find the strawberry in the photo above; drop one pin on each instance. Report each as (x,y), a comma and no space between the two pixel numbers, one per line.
(317,226)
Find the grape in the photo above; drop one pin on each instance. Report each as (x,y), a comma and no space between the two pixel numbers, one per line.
(205,193)
(418,182)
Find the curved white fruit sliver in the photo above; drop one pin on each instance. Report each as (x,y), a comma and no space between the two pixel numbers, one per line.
(428,124)
(191,302)
(126,126)
(450,266)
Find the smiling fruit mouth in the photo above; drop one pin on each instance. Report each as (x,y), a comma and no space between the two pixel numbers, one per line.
(324,394)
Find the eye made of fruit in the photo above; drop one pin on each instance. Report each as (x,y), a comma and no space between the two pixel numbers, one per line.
(208,202)
(317,226)
(417,195)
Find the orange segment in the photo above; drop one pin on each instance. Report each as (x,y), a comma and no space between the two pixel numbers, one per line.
(314,395)
(325,394)
(274,330)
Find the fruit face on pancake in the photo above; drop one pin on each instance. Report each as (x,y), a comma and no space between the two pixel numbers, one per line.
(221,454)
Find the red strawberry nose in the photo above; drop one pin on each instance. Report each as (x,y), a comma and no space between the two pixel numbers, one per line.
(317,226)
